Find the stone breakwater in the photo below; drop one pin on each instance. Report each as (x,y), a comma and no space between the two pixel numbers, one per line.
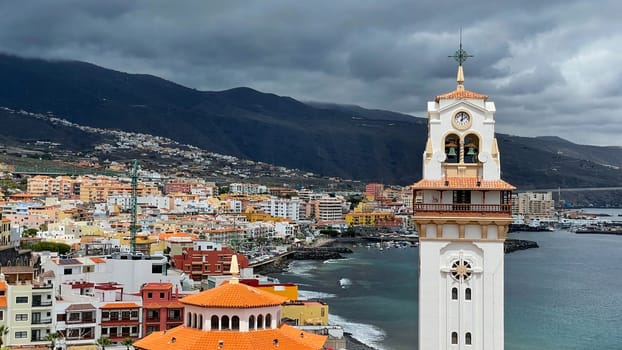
(512,245)
(320,253)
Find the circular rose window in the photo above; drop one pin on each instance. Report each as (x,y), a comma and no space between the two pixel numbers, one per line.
(461,270)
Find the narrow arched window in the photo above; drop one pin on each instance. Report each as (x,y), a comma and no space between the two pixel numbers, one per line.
(224,322)
(200,324)
(235,323)
(467,338)
(214,325)
(194,320)
(454,338)
(467,294)
(454,293)
(189,320)
(268,321)
(260,321)
(251,322)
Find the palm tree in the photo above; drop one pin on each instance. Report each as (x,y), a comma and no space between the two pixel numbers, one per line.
(127,342)
(103,341)
(4,330)
(51,337)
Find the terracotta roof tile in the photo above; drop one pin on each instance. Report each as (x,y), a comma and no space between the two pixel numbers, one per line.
(181,337)
(157,286)
(463,183)
(236,295)
(120,306)
(78,307)
(461,94)
(2,301)
(98,260)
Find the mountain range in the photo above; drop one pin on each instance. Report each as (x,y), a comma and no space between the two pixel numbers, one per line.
(329,139)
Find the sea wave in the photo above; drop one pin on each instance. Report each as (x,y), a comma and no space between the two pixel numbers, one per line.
(365,333)
(334,261)
(301,268)
(309,294)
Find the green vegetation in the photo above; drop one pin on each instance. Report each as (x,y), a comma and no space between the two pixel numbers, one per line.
(127,342)
(29,232)
(61,248)
(103,342)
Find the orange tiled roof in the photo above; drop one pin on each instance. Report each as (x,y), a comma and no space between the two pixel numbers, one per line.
(120,306)
(461,94)
(2,301)
(98,260)
(463,183)
(234,295)
(289,338)
(157,286)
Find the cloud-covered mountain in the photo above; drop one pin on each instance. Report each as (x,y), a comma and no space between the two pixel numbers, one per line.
(333,140)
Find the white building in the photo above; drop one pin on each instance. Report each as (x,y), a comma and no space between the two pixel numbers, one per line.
(246,188)
(282,207)
(462,212)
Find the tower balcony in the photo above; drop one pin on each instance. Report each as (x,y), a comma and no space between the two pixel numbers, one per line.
(463,208)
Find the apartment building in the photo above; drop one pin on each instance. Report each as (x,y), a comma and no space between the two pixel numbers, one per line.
(30,305)
(161,308)
(62,187)
(534,205)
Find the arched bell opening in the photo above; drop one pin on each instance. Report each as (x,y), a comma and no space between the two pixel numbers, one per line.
(471,148)
(452,148)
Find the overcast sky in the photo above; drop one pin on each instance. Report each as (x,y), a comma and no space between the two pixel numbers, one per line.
(552,67)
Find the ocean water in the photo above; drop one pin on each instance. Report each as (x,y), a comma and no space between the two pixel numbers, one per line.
(567,294)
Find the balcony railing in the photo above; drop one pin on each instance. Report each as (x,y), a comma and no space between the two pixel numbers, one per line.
(173,319)
(41,303)
(463,208)
(41,321)
(83,320)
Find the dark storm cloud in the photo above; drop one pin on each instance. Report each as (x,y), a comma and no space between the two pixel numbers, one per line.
(548,65)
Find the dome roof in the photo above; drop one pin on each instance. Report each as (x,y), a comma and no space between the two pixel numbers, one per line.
(234,295)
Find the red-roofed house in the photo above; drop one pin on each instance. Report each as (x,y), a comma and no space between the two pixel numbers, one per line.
(120,321)
(161,309)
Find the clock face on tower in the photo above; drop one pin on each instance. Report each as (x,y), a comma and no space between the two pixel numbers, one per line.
(461,120)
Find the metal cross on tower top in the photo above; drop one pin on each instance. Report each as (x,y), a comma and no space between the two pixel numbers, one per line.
(460,55)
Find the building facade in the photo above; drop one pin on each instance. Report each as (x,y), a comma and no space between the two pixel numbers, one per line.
(462,211)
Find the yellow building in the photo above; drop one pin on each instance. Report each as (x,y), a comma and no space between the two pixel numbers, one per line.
(369,219)
(98,190)
(305,313)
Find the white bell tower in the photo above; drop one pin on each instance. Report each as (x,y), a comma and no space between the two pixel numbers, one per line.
(462,211)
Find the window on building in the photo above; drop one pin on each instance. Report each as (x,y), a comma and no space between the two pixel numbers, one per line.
(161,295)
(454,293)
(200,325)
(114,315)
(235,323)
(68,271)
(268,321)
(21,317)
(74,316)
(105,315)
(462,196)
(260,321)
(157,268)
(214,325)
(189,320)
(174,314)
(1,315)
(251,322)
(224,322)
(467,338)
(104,331)
(21,335)
(134,314)
(454,338)
(151,329)
(134,330)
(467,294)
(149,295)
(21,300)
(125,315)
(153,314)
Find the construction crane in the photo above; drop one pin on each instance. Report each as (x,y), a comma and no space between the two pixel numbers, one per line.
(133,205)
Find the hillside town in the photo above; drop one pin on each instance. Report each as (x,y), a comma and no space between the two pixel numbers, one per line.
(95,260)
